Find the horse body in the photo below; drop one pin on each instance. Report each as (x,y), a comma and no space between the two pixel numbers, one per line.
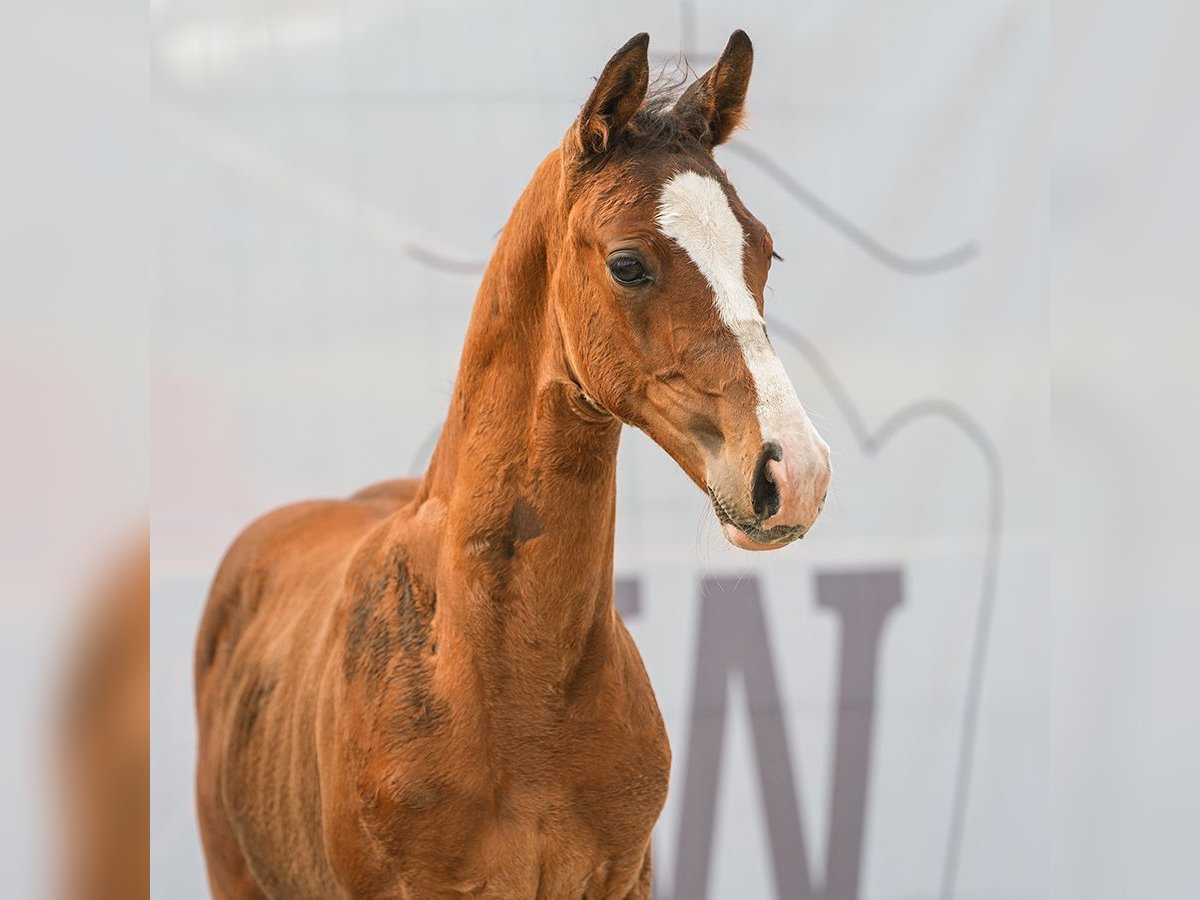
(356,749)
(424,690)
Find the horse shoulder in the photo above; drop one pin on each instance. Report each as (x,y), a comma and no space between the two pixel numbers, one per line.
(271,615)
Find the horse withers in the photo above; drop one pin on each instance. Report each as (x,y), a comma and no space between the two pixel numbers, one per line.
(424,690)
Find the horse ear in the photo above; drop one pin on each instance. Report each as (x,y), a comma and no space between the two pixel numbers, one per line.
(618,94)
(717,98)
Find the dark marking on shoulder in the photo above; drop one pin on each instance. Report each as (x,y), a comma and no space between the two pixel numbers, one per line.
(413,623)
(387,634)
(357,631)
(523,522)
(378,640)
(381,651)
(506,544)
(370,638)
(495,308)
(498,539)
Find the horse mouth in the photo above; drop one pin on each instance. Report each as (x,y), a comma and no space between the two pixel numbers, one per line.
(751,535)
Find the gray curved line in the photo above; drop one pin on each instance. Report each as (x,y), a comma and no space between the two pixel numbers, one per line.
(435,260)
(871,442)
(930,265)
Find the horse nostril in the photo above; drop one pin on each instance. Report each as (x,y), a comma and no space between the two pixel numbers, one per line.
(764,493)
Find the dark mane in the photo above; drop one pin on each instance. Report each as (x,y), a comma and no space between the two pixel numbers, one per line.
(658,124)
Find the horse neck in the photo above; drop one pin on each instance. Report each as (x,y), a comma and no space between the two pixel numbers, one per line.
(526,469)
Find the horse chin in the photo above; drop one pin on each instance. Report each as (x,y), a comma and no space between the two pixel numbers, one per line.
(739,538)
(752,536)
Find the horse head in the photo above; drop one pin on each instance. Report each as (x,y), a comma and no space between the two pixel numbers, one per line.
(657,286)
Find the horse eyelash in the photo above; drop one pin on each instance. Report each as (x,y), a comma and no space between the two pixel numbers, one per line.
(775,255)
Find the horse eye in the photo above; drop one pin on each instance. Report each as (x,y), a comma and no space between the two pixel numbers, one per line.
(627,269)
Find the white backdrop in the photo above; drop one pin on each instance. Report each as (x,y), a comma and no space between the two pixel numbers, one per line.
(322,211)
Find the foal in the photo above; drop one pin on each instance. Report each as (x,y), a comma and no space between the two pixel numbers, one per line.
(424,691)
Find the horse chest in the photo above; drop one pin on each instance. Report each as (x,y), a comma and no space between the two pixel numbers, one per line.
(558,831)
(558,852)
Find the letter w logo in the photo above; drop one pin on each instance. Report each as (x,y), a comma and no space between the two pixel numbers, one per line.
(733,638)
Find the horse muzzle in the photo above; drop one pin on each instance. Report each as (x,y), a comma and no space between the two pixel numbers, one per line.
(786,492)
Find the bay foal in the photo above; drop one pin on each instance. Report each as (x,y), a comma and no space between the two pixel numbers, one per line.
(424,691)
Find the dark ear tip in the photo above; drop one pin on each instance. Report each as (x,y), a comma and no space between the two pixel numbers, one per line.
(739,40)
(639,41)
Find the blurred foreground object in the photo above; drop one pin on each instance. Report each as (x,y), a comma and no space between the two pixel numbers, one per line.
(76,254)
(105,742)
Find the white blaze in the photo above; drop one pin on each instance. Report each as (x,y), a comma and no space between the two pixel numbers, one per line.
(694,212)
